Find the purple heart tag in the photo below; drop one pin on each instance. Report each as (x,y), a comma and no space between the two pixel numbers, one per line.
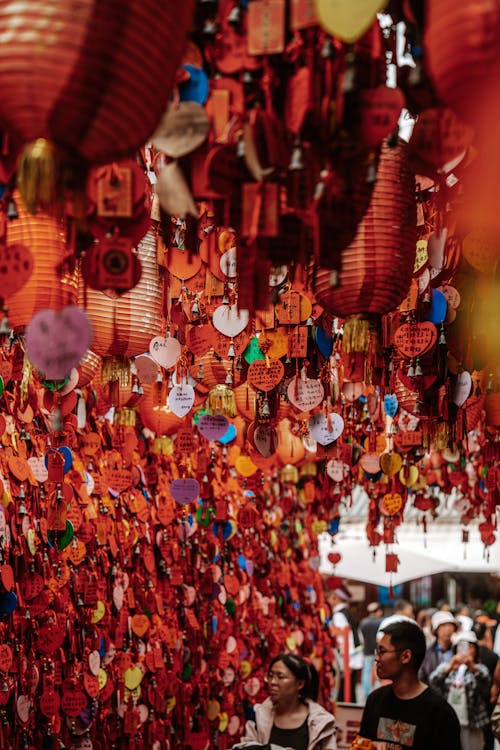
(57,341)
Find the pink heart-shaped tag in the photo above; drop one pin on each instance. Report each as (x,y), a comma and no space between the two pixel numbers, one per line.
(57,341)
(24,707)
(165,351)
(305,394)
(94,662)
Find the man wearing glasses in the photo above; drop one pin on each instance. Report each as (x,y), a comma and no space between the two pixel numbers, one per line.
(406,713)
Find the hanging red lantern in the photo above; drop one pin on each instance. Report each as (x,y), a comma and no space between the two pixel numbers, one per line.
(156,414)
(123,327)
(377,266)
(88,82)
(52,283)
(461,45)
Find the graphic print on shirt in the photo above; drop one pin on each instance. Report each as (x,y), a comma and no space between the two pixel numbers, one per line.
(396,733)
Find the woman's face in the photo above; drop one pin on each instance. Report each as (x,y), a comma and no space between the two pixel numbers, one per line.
(282,684)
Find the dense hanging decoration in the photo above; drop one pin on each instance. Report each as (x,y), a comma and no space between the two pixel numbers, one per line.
(211,341)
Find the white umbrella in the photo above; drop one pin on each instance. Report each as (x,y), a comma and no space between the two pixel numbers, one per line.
(359,563)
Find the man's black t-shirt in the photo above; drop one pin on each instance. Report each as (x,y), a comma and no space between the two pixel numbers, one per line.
(426,722)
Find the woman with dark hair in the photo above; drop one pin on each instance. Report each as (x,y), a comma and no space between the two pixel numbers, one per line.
(466,686)
(290,717)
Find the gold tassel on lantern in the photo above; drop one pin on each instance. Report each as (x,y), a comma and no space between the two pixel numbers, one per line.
(125,417)
(116,368)
(38,174)
(358,334)
(221,400)
(43,174)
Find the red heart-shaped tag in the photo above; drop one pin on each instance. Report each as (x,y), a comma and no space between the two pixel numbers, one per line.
(265,376)
(16,266)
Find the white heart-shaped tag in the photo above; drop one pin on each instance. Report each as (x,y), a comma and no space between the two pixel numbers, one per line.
(181,399)
(305,394)
(335,470)
(463,384)
(318,428)
(435,248)
(38,468)
(227,263)
(165,351)
(229,320)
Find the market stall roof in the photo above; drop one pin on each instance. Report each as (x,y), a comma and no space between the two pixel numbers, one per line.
(440,550)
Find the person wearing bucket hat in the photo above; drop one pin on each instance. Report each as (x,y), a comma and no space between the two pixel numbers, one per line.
(443,626)
(465,684)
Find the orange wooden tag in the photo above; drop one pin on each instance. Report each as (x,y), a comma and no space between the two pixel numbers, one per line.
(415,339)
(303,14)
(268,220)
(114,193)
(391,504)
(266,27)
(390,463)
(288,310)
(264,377)
(297,342)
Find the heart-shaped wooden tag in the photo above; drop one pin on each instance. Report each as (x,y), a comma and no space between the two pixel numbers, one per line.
(414,339)
(462,389)
(391,503)
(305,394)
(229,320)
(213,427)
(390,463)
(57,341)
(265,375)
(184,491)
(16,266)
(265,440)
(140,624)
(348,19)
(181,399)
(326,429)
(165,351)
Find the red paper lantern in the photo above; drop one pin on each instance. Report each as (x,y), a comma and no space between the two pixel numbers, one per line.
(92,79)
(123,327)
(52,284)
(377,266)
(462,54)
(156,414)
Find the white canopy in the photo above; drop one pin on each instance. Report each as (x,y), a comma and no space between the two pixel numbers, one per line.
(440,550)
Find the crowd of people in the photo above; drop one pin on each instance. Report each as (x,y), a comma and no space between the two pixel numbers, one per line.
(460,663)
(429,681)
